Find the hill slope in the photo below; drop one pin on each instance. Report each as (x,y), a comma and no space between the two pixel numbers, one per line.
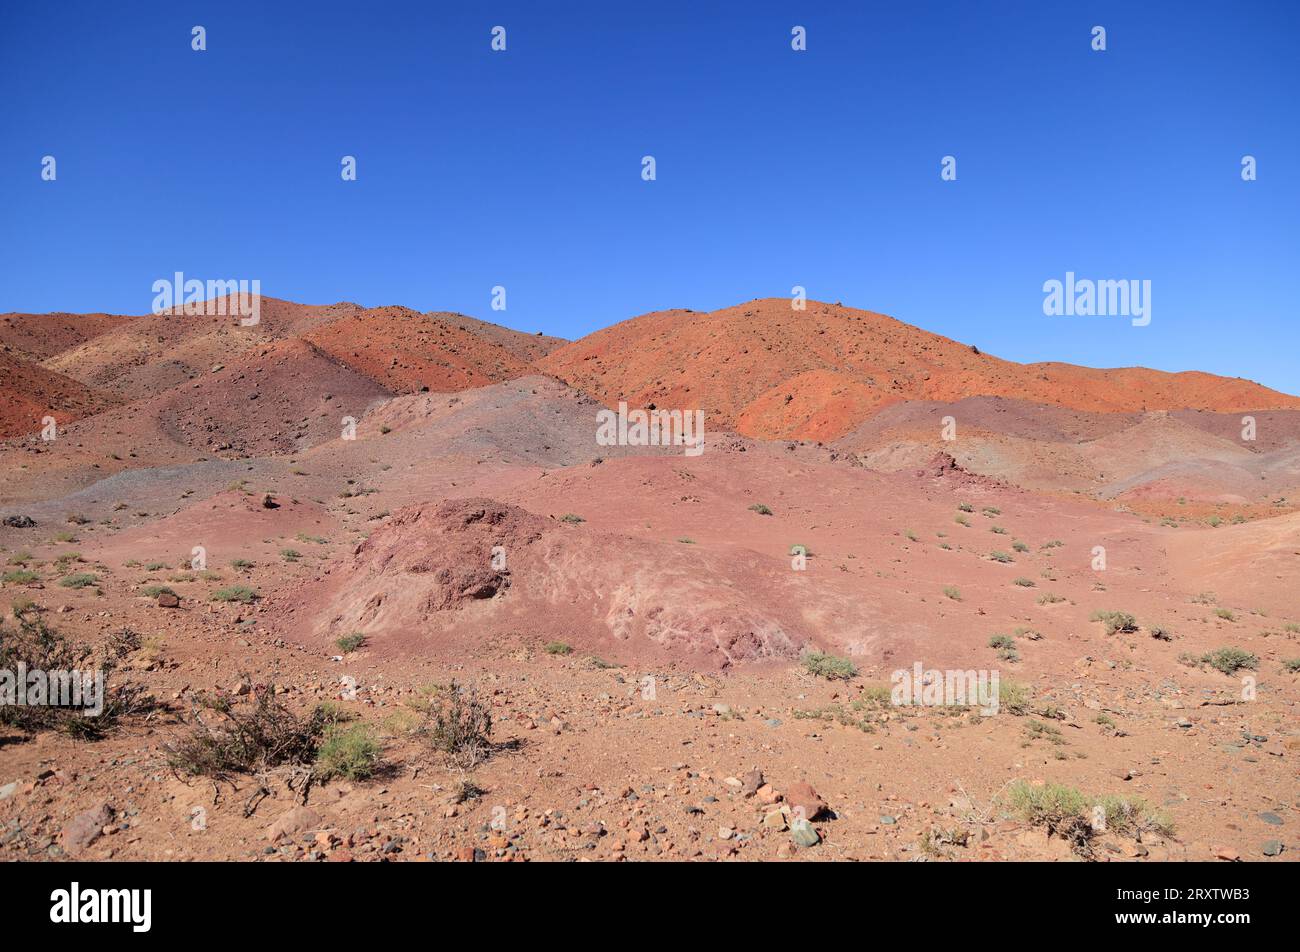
(771,372)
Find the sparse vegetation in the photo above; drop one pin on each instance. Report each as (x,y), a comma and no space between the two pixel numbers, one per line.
(350,642)
(33,645)
(1024,582)
(350,752)
(953,592)
(235,593)
(21,577)
(1050,598)
(459,726)
(558,648)
(999,556)
(1225,613)
(828,666)
(1115,622)
(1230,660)
(572,517)
(252,737)
(1071,815)
(761,509)
(78,580)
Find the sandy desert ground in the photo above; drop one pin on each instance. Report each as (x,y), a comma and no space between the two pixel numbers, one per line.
(665,678)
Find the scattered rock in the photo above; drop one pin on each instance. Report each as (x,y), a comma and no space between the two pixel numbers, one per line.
(293,823)
(84,828)
(804,800)
(804,834)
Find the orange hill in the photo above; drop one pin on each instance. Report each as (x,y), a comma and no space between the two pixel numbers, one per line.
(768,371)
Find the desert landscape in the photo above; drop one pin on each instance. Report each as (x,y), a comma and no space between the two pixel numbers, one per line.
(365,586)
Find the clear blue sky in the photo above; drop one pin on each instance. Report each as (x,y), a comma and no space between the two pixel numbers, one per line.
(775,168)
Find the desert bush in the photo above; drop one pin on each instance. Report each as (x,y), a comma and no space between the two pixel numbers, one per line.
(558,648)
(953,592)
(1291,664)
(828,666)
(350,642)
(37,647)
(999,556)
(350,752)
(1068,813)
(1225,613)
(235,593)
(459,726)
(1230,660)
(1161,633)
(1115,622)
(572,517)
(1013,697)
(1050,598)
(761,509)
(1025,582)
(78,580)
(21,577)
(249,737)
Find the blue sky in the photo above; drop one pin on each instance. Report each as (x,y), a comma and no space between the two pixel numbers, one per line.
(775,168)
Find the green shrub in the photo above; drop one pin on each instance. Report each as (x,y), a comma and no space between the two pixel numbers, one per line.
(558,648)
(351,642)
(828,666)
(349,752)
(78,580)
(1115,622)
(235,593)
(761,509)
(1230,660)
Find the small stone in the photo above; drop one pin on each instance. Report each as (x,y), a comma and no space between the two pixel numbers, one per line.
(1271,818)
(294,822)
(168,600)
(1273,848)
(751,782)
(804,835)
(85,828)
(804,800)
